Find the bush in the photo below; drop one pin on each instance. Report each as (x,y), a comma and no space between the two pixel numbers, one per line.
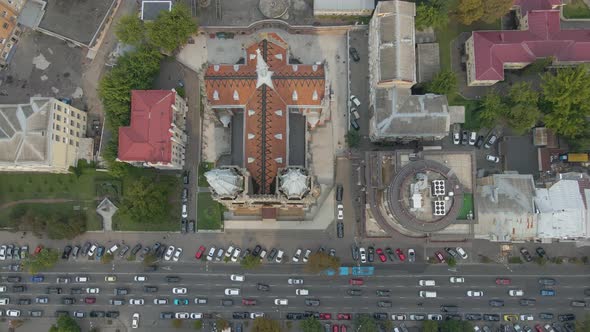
(515,260)
(107,258)
(321,261)
(451,261)
(353,138)
(250,262)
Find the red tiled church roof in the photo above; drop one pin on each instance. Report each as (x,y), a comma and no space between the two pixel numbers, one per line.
(265,107)
(148,137)
(543,38)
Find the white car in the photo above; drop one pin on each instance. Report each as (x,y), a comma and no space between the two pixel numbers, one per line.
(472,138)
(434,317)
(160,301)
(456,138)
(2,289)
(295,281)
(493,159)
(399,317)
(297,255)
(5,301)
(526,317)
(279,258)
(254,315)
(140,278)
(302,291)
(12,313)
(211,254)
(306,256)
(182,315)
(136,301)
(92,250)
(457,280)
(229,251)
(169,253)
(236,255)
(3,252)
(461,252)
(474,293)
(179,290)
(110,278)
(196,315)
(237,277)
(340,214)
(177,254)
(184,211)
(135,321)
(516,292)
(232,291)
(94,290)
(363,254)
(281,302)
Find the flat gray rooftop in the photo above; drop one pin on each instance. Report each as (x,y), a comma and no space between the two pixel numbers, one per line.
(78,20)
(297,126)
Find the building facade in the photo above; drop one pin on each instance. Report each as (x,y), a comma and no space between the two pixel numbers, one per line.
(9,31)
(156,137)
(45,135)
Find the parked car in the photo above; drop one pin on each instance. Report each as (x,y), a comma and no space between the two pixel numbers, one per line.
(541,252)
(479,142)
(491,140)
(526,254)
(66,253)
(492,158)
(354,54)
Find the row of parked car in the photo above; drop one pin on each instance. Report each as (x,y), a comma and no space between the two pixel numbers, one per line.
(13,252)
(234,254)
(95,250)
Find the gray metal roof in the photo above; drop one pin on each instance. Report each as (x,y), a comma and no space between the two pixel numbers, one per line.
(151,9)
(512,193)
(343,5)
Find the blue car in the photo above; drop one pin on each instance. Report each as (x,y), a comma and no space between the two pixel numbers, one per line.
(99,252)
(547,292)
(181,301)
(37,278)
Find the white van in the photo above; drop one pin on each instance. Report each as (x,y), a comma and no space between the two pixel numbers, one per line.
(427,283)
(302,291)
(113,249)
(262,254)
(355,100)
(427,294)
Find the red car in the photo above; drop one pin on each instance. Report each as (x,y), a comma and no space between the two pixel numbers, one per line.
(90,300)
(381,255)
(539,328)
(38,249)
(325,316)
(400,254)
(248,302)
(502,281)
(342,328)
(200,252)
(439,256)
(335,328)
(356,281)
(342,316)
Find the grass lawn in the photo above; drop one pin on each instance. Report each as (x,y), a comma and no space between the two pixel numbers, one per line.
(204,166)
(471,106)
(93,220)
(467,206)
(210,213)
(576,9)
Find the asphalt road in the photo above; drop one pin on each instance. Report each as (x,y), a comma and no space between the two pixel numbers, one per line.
(210,281)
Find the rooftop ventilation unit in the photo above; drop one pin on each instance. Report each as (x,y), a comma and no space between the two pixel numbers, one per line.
(438,187)
(439,208)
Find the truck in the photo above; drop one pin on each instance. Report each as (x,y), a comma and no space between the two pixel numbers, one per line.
(574,157)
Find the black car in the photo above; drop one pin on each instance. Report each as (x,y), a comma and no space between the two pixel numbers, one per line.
(569,327)
(354,124)
(240,315)
(383,292)
(68,300)
(272,254)
(491,317)
(546,316)
(124,250)
(66,253)
(526,254)
(321,249)
(161,251)
(355,252)
(60,313)
(24,301)
(566,317)
(76,291)
(85,248)
(371,254)
(354,54)
(473,316)
(384,304)
(479,141)
(390,254)
(112,314)
(452,252)
(183,225)
(136,249)
(453,317)
(339,192)
(295,316)
(496,303)
(13,279)
(256,250)
(340,229)
(53,290)
(185,177)
(156,246)
(380,316)
(263,287)
(97,314)
(309,314)
(527,302)
(18,289)
(191,226)
(227,302)
(465,137)
(166,315)
(354,292)
(150,289)
(172,279)
(541,252)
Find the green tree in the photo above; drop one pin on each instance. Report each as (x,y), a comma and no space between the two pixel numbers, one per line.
(523,93)
(492,109)
(44,260)
(145,201)
(353,138)
(495,9)
(263,324)
(130,30)
(250,262)
(365,323)
(444,83)
(65,324)
(171,29)
(222,324)
(451,261)
(311,324)
(198,324)
(469,11)
(177,323)
(433,13)
(566,94)
(321,261)
(522,117)
(456,326)
(430,326)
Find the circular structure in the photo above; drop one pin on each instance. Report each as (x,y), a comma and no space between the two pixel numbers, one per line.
(273,8)
(433,217)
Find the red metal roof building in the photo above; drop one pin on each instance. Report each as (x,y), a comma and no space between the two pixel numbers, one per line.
(541,36)
(266,86)
(156,135)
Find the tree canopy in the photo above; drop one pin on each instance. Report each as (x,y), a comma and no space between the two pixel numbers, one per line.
(321,261)
(430,326)
(444,83)
(365,323)
(524,112)
(55,224)
(469,11)
(145,201)
(44,260)
(353,138)
(263,324)
(130,30)
(495,9)
(65,324)
(566,94)
(432,13)
(492,109)
(171,29)
(311,324)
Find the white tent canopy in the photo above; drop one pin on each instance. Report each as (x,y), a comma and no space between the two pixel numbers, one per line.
(224,182)
(294,183)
